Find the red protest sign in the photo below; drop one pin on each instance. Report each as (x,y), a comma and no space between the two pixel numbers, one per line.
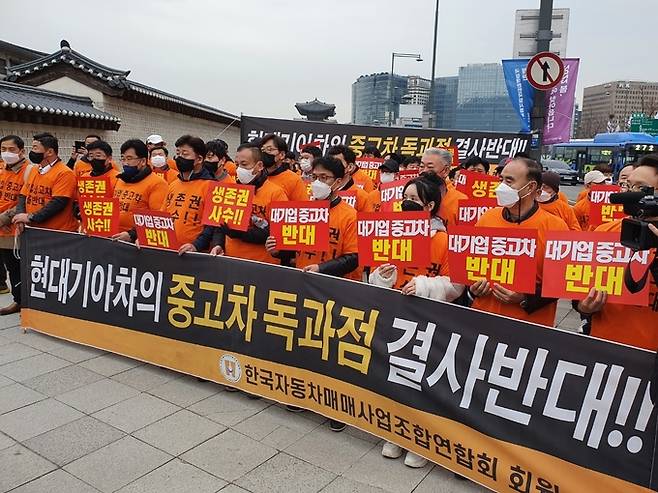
(391,195)
(477,185)
(601,210)
(400,238)
(94,187)
(230,204)
(370,166)
(409,174)
(348,197)
(455,154)
(300,226)
(100,216)
(471,210)
(506,257)
(156,229)
(575,262)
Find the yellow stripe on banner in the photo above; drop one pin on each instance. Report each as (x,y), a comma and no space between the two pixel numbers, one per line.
(204,362)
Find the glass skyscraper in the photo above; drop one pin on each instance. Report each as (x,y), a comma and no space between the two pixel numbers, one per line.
(444,104)
(371,100)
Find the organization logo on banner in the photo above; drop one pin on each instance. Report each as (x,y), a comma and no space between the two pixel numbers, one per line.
(230,368)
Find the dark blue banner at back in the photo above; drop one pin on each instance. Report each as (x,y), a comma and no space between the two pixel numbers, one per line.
(513,406)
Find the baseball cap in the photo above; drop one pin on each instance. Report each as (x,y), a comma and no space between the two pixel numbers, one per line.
(154,139)
(552,179)
(594,177)
(390,165)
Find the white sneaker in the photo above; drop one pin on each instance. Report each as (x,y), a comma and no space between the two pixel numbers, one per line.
(391,451)
(414,460)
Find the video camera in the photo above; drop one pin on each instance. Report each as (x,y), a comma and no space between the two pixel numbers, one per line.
(635,232)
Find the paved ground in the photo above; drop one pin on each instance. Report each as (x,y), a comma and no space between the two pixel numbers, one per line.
(571,191)
(76,420)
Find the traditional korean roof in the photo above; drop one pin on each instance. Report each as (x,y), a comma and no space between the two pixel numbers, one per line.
(316,109)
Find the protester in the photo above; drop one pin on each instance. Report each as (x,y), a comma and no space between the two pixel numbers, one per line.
(274,149)
(371,151)
(522,178)
(348,158)
(13,175)
(388,172)
(624,174)
(216,160)
(395,157)
(438,161)
(629,324)
(411,162)
(159,157)
(250,244)
(549,200)
(137,187)
(155,140)
(476,163)
(421,194)
(581,209)
(306,157)
(99,154)
(79,160)
(342,258)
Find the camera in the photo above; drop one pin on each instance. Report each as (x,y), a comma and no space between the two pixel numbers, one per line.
(635,232)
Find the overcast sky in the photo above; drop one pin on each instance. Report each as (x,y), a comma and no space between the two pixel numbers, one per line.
(260,57)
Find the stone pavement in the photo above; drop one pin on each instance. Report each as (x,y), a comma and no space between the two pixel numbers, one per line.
(75,419)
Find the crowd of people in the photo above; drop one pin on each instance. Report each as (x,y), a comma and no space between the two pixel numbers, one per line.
(39,189)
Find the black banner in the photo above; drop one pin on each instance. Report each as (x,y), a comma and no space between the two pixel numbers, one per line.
(469,390)
(493,146)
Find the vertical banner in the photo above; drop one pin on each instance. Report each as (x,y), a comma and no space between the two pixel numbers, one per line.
(521,93)
(230,204)
(391,195)
(559,105)
(400,238)
(577,261)
(495,254)
(471,210)
(100,216)
(477,185)
(300,226)
(155,229)
(601,211)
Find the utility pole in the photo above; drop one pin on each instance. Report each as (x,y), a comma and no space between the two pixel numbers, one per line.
(544,36)
(430,104)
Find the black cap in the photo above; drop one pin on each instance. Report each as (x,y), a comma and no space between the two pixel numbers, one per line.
(390,165)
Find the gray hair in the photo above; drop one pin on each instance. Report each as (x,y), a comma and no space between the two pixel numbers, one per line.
(444,154)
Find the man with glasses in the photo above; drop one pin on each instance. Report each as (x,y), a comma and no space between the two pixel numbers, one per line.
(274,149)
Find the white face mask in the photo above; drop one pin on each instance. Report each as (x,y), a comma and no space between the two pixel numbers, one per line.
(305,164)
(506,195)
(10,158)
(544,196)
(158,161)
(245,176)
(608,181)
(386,177)
(320,190)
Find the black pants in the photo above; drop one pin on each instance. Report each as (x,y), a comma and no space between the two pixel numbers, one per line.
(13,266)
(3,272)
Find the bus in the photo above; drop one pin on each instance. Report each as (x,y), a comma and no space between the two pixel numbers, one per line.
(616,149)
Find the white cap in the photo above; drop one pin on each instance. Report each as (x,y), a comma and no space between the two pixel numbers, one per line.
(594,177)
(154,139)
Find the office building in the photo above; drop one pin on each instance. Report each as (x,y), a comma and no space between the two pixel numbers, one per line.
(444,104)
(372,100)
(526,27)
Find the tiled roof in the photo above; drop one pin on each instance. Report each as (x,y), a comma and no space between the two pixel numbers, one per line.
(25,98)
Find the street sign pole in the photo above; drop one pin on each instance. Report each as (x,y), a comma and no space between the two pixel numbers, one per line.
(544,36)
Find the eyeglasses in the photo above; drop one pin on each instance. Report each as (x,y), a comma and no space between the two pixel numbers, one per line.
(323,178)
(129,159)
(269,149)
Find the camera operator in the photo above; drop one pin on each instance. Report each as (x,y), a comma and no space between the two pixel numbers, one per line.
(629,324)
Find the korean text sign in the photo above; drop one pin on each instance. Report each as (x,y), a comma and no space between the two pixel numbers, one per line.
(498,255)
(471,210)
(94,187)
(601,210)
(100,216)
(300,226)
(229,204)
(349,197)
(391,195)
(477,185)
(400,238)
(370,166)
(576,262)
(156,229)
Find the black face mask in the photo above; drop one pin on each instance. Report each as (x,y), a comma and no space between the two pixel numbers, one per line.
(184,165)
(269,160)
(211,166)
(98,165)
(36,157)
(411,206)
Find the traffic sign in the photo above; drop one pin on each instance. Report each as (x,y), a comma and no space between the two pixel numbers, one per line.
(545,70)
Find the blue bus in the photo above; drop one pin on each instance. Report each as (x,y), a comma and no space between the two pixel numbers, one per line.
(616,149)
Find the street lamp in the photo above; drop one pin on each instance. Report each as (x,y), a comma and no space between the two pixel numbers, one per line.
(390,80)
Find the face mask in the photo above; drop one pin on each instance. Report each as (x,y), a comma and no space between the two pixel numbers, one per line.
(305,164)
(608,181)
(320,190)
(130,171)
(98,165)
(184,165)
(158,161)
(10,158)
(36,157)
(544,196)
(211,166)
(506,195)
(245,176)
(385,177)
(411,206)
(269,160)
